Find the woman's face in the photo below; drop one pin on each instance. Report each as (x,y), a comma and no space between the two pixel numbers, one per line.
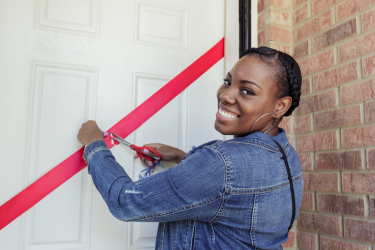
(247,93)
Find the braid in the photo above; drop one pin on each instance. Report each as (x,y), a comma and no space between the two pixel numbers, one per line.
(294,86)
(288,75)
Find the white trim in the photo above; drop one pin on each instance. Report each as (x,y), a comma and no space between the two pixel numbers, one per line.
(254,23)
(231,49)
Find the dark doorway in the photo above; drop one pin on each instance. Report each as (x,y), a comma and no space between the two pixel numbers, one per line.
(245,24)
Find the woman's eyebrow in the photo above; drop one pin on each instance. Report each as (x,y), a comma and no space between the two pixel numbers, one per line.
(230,76)
(246,81)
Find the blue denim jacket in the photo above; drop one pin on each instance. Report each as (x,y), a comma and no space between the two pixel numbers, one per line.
(231,194)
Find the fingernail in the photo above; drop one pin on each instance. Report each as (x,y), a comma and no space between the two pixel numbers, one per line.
(146,150)
(105,134)
(150,164)
(156,161)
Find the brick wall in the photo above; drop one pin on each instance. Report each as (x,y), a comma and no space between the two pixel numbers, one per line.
(275,30)
(333,129)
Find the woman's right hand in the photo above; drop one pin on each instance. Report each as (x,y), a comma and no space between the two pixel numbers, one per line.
(168,153)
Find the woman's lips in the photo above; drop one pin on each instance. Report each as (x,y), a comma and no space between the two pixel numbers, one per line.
(226,113)
(225,116)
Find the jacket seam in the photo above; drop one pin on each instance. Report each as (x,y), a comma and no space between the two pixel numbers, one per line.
(227,182)
(185,208)
(95,151)
(174,235)
(162,238)
(253,221)
(264,190)
(267,147)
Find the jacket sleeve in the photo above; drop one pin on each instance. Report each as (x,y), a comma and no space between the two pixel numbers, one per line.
(191,190)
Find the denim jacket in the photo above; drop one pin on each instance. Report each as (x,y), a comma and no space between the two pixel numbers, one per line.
(230,194)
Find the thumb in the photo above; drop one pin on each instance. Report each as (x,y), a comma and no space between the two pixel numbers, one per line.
(136,156)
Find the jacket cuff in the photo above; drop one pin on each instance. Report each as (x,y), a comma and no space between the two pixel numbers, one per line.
(93,148)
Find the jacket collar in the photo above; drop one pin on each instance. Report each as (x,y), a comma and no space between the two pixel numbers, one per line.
(281,138)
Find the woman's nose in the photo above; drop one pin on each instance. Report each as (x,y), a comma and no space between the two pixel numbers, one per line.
(228,96)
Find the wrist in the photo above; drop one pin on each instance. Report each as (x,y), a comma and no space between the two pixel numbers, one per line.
(181,156)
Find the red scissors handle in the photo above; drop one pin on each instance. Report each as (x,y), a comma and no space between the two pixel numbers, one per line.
(142,155)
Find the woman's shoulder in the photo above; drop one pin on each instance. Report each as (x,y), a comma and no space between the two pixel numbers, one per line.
(259,141)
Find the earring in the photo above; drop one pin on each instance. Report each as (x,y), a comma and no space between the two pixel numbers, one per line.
(261,117)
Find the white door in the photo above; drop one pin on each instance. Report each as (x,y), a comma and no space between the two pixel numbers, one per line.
(63,62)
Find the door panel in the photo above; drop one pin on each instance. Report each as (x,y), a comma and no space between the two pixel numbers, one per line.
(66,61)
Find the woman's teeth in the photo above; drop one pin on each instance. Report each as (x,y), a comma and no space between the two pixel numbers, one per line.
(223,113)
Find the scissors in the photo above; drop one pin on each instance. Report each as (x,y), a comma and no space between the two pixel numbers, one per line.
(139,150)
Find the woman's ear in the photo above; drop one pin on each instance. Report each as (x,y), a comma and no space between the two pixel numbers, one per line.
(282,106)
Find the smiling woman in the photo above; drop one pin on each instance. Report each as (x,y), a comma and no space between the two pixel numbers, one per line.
(242,193)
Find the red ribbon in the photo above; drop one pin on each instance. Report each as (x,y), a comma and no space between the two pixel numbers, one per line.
(31,195)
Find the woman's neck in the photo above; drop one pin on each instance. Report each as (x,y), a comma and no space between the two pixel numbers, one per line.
(274,131)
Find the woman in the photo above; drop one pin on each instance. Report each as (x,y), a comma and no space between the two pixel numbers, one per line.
(233,194)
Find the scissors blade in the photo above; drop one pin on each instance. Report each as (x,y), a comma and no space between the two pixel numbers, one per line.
(119,139)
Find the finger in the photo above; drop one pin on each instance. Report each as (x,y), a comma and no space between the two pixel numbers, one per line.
(136,156)
(152,170)
(149,163)
(149,153)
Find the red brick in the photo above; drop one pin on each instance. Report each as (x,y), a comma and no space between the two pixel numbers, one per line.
(317,24)
(337,34)
(338,118)
(291,138)
(317,102)
(306,161)
(301,14)
(334,244)
(359,230)
(303,124)
(358,92)
(340,204)
(370,111)
(362,183)
(264,19)
(350,7)
(301,50)
(285,4)
(263,4)
(307,201)
(320,5)
(336,76)
(291,240)
(299,2)
(306,241)
(282,48)
(348,160)
(321,182)
(358,47)
(358,137)
(369,66)
(368,20)
(320,223)
(372,207)
(316,63)
(276,34)
(281,17)
(371,159)
(305,87)
(287,124)
(315,142)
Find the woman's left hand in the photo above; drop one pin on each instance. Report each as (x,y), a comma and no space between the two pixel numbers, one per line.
(89,133)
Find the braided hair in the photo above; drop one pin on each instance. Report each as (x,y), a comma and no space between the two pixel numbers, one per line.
(287,73)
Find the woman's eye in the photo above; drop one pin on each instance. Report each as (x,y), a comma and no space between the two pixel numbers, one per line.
(226,82)
(247,92)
